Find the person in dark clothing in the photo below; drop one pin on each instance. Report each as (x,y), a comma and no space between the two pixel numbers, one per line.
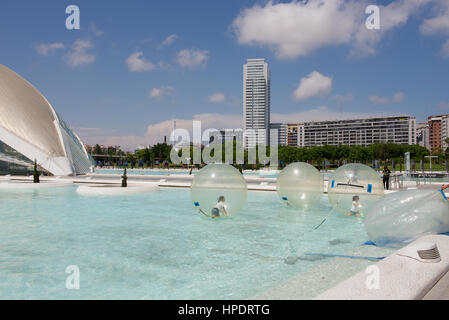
(386,178)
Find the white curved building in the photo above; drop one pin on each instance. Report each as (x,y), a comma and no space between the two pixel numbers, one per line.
(30,126)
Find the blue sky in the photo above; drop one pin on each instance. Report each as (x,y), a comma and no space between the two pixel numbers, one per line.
(116,81)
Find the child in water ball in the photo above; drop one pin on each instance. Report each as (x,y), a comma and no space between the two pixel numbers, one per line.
(219,210)
(355,207)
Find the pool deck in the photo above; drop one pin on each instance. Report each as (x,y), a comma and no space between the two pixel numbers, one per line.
(440,291)
(255,183)
(399,278)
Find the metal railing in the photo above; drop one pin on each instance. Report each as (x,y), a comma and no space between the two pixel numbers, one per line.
(397,181)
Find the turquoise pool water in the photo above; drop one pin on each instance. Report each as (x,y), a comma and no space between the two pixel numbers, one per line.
(155,246)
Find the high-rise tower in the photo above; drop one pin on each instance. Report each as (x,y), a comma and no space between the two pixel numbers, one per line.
(256,102)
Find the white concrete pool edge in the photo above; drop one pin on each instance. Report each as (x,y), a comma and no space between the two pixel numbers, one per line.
(255,183)
(399,278)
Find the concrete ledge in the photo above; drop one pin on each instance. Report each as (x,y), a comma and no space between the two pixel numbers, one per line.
(115,190)
(440,291)
(21,185)
(400,278)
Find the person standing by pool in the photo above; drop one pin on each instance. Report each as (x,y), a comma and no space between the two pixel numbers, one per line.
(386,178)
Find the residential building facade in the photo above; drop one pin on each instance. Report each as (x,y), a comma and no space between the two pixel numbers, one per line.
(444,132)
(422,134)
(437,131)
(295,134)
(362,132)
(278,134)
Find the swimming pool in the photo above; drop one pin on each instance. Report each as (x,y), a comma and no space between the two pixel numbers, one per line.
(155,246)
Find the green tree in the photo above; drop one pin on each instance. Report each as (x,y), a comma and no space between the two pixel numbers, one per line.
(343,152)
(381,151)
(124,180)
(162,151)
(131,159)
(97,149)
(35,173)
(146,155)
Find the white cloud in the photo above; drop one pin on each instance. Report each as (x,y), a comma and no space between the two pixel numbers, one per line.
(298,28)
(437,24)
(217,98)
(85,132)
(158,93)
(79,55)
(379,99)
(397,97)
(165,66)
(343,98)
(97,32)
(445,49)
(443,105)
(189,58)
(155,132)
(393,15)
(295,29)
(168,41)
(323,113)
(109,137)
(313,85)
(137,63)
(235,101)
(48,49)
